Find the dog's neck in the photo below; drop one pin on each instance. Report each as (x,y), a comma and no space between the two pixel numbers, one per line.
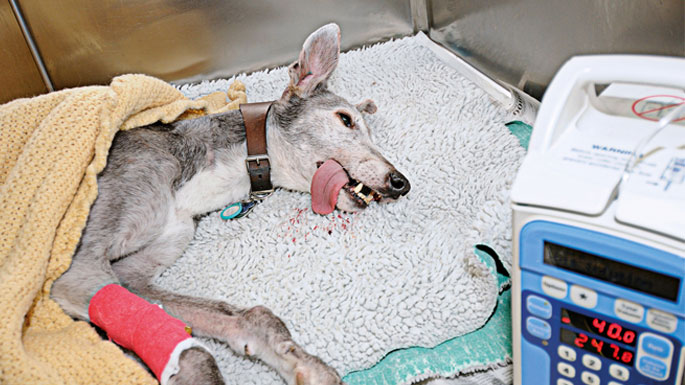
(228,150)
(286,170)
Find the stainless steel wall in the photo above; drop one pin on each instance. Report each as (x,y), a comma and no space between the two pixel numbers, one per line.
(524,42)
(86,42)
(19,75)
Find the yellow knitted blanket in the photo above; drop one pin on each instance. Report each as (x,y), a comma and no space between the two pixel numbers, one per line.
(51,149)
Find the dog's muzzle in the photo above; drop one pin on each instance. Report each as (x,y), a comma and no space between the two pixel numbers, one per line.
(398,184)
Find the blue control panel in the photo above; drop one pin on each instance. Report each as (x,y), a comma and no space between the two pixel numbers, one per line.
(598,309)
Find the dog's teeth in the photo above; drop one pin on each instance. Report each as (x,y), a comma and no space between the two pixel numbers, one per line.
(365,198)
(358,188)
(363,193)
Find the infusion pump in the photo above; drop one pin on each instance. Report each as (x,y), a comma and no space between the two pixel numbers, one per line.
(599,228)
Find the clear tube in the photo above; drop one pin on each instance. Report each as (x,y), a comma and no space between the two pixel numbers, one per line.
(636,156)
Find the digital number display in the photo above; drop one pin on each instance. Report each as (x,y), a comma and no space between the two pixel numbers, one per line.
(597,346)
(611,330)
(647,281)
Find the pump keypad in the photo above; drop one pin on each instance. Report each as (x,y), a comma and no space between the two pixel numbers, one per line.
(589,348)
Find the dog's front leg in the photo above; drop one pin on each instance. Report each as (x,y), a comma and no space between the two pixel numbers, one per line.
(254,332)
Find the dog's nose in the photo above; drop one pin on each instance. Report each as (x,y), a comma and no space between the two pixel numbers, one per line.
(398,184)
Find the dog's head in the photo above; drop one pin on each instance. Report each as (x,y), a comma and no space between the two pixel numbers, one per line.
(329,149)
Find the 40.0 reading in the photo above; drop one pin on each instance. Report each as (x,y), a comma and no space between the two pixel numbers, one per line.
(610,330)
(614,331)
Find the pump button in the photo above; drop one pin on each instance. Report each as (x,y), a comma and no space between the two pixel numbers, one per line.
(554,287)
(582,296)
(566,370)
(656,346)
(651,367)
(539,306)
(566,353)
(589,378)
(619,372)
(539,328)
(629,311)
(661,321)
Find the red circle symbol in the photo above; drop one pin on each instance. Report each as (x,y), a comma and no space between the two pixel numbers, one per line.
(656,107)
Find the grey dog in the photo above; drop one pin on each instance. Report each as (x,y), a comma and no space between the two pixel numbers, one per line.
(159,178)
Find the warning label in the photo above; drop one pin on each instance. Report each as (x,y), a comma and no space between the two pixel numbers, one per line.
(674,172)
(656,107)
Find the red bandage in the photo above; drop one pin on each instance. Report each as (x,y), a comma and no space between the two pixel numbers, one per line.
(136,324)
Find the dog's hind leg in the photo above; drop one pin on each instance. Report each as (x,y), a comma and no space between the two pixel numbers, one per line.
(254,332)
(88,273)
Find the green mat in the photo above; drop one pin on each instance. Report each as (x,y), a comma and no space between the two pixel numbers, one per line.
(480,349)
(521,131)
(483,348)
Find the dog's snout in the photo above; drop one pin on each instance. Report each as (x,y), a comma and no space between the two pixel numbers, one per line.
(398,184)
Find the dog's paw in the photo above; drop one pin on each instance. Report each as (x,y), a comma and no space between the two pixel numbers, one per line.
(302,378)
(197,366)
(289,349)
(315,372)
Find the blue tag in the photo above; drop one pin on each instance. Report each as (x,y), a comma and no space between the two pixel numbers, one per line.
(246,208)
(232,211)
(238,210)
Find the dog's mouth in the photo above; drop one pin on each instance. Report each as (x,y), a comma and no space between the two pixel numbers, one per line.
(327,182)
(361,194)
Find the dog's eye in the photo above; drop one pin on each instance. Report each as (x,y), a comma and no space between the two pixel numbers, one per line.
(346,119)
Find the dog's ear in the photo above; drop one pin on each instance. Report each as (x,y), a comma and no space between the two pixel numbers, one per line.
(318,59)
(367,106)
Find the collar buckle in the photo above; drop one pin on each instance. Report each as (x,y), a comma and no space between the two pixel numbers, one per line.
(259,169)
(257,158)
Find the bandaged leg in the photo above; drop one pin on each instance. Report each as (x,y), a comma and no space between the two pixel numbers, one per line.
(136,324)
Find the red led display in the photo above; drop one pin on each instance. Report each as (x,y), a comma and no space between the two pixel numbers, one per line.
(597,346)
(607,329)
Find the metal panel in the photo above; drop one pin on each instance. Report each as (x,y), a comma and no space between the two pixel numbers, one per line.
(89,42)
(524,42)
(19,75)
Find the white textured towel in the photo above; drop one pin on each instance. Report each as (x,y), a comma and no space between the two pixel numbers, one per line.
(352,287)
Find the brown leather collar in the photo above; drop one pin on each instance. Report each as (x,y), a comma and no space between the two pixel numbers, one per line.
(257,162)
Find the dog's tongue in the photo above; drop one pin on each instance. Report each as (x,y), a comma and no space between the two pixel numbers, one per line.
(326,185)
